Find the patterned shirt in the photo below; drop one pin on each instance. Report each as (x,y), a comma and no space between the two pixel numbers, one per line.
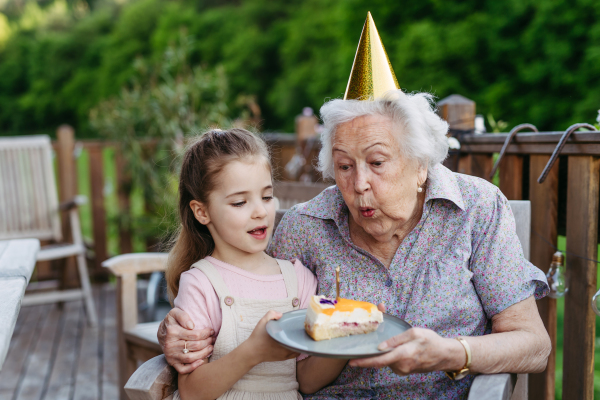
(462,264)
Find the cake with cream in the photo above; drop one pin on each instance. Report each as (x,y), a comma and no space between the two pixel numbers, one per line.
(329,318)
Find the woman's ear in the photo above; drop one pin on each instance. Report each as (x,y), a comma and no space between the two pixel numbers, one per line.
(200,212)
(421,175)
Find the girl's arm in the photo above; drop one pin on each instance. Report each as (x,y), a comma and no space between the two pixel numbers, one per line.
(211,380)
(314,373)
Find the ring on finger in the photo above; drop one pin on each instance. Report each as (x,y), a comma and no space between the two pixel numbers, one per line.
(185,349)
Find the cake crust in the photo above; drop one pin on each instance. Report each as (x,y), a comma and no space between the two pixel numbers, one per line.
(328,319)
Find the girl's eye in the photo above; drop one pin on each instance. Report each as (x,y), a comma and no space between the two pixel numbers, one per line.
(268,198)
(241,203)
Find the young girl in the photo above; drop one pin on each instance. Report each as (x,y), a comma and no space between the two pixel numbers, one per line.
(219,273)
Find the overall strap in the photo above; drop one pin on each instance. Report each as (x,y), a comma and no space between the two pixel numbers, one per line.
(289,276)
(214,277)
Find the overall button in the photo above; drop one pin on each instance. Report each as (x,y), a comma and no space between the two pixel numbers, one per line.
(228,301)
(295,302)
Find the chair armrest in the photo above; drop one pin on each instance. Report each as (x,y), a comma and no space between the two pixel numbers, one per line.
(493,387)
(153,380)
(72,203)
(136,263)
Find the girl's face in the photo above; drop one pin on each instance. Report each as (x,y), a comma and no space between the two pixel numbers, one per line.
(241,211)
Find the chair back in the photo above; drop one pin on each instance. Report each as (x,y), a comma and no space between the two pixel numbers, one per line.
(28,198)
(292,193)
(522,212)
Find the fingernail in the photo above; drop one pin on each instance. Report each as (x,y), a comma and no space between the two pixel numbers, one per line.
(383,346)
(190,325)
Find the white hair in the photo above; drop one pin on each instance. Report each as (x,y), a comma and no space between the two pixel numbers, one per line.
(421,133)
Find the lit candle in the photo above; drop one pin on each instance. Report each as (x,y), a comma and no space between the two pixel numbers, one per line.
(337,283)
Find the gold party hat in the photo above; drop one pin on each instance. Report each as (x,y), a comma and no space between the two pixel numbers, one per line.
(372,74)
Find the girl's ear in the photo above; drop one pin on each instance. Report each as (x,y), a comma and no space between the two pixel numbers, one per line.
(200,212)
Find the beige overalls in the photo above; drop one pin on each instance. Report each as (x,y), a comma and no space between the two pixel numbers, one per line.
(268,380)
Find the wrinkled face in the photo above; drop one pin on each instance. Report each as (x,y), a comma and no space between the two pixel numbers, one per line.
(377,183)
(241,212)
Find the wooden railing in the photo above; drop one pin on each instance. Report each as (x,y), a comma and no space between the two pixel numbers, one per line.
(67,149)
(581,154)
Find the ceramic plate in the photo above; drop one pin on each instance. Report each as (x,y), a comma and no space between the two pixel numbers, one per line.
(289,332)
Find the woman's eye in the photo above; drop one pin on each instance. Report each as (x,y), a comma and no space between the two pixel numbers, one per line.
(344,167)
(268,198)
(377,163)
(241,203)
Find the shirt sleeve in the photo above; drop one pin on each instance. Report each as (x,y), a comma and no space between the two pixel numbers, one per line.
(501,274)
(197,298)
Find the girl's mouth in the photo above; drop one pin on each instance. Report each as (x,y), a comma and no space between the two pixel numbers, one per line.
(366,212)
(259,233)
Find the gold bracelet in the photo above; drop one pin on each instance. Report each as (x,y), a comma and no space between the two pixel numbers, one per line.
(464,371)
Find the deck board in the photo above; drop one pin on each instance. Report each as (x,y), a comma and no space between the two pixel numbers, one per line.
(54,355)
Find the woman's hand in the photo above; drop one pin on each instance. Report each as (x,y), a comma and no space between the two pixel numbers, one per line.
(174,331)
(415,351)
(265,348)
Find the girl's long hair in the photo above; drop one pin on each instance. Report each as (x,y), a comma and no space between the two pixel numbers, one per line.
(203,161)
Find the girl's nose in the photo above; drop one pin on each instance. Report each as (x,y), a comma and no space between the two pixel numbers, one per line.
(260,211)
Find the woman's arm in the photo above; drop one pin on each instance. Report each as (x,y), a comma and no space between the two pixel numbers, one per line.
(211,380)
(518,343)
(314,373)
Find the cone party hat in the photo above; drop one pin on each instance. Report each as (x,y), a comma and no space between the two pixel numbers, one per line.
(372,74)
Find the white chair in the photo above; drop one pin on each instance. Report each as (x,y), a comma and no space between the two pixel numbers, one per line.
(29,208)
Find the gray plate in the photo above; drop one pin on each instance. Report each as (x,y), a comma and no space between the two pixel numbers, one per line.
(289,332)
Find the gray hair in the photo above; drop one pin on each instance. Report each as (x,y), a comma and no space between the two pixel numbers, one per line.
(423,131)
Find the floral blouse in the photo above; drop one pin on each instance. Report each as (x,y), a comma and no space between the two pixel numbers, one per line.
(460,265)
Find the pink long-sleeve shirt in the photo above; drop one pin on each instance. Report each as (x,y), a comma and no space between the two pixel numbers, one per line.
(198,298)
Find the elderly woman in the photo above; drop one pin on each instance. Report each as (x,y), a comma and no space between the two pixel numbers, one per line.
(437,248)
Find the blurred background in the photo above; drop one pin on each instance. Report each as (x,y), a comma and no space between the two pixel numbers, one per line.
(520,60)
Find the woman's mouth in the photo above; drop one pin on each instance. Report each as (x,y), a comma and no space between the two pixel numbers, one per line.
(366,212)
(259,233)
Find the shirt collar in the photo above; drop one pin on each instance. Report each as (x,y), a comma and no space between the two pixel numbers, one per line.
(329,204)
(442,184)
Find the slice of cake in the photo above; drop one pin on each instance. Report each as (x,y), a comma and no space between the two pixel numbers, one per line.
(327,318)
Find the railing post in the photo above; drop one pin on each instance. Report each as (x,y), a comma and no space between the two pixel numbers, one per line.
(582,240)
(459,112)
(544,230)
(511,176)
(67,185)
(98,211)
(123,191)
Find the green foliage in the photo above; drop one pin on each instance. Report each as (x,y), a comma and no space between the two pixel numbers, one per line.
(167,101)
(520,60)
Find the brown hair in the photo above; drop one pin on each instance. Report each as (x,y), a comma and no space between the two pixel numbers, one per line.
(203,160)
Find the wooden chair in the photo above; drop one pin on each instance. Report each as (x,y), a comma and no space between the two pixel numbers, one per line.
(29,209)
(137,341)
(156,380)
(292,193)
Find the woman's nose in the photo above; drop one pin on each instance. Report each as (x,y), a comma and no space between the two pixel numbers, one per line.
(361,182)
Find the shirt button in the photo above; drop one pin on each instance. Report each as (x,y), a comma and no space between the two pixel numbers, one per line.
(388,283)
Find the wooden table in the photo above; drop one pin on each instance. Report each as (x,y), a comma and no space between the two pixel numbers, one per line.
(17,260)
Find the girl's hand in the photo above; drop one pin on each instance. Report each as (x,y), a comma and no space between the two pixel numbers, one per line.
(265,348)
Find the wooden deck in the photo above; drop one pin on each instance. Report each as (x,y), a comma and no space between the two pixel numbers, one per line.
(54,355)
